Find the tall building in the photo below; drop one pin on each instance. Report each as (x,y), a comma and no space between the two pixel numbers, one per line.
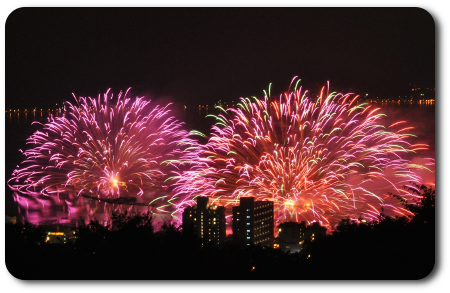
(253,222)
(208,222)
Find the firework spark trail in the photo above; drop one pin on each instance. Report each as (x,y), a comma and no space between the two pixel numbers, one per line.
(318,160)
(106,149)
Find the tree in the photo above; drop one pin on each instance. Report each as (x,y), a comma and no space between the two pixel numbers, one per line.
(389,248)
(424,206)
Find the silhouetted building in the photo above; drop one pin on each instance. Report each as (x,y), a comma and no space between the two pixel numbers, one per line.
(56,238)
(208,222)
(253,222)
(315,231)
(291,236)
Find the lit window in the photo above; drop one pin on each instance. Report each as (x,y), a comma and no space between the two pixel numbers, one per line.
(248,217)
(248,237)
(248,230)
(248,224)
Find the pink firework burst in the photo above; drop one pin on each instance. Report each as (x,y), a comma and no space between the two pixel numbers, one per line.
(109,149)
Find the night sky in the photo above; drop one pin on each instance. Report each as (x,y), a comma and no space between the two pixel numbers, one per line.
(201,55)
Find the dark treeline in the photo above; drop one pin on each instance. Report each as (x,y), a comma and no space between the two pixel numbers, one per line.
(392,248)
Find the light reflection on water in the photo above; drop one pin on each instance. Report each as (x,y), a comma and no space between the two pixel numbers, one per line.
(67,209)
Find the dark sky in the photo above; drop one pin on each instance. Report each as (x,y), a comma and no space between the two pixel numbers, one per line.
(201,55)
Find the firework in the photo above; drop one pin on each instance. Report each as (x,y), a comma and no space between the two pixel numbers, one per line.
(318,159)
(110,149)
